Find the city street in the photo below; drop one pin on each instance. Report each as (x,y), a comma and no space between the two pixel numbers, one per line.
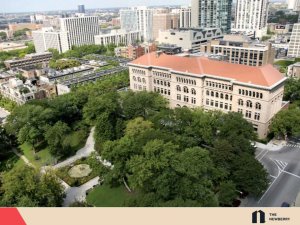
(284,174)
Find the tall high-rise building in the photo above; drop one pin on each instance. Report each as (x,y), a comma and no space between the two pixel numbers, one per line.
(294,45)
(81,9)
(212,14)
(164,21)
(74,31)
(185,17)
(79,30)
(138,18)
(251,15)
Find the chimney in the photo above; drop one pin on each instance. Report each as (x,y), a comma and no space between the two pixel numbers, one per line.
(158,53)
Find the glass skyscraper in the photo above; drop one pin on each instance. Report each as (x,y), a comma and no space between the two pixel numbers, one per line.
(212,14)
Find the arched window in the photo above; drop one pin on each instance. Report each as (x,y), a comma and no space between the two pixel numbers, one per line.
(241,102)
(178,106)
(185,89)
(207,92)
(258,105)
(217,94)
(221,95)
(134,78)
(169,84)
(193,91)
(161,82)
(226,97)
(212,93)
(144,80)
(249,104)
(261,95)
(139,79)
(178,88)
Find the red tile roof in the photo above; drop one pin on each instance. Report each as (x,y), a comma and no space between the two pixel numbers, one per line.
(263,76)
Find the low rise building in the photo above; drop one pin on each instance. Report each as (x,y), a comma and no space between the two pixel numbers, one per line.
(240,49)
(118,37)
(54,75)
(21,26)
(294,70)
(280,28)
(29,60)
(190,39)
(9,46)
(134,51)
(255,92)
(17,91)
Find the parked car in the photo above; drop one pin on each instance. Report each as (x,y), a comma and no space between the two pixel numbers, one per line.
(285,204)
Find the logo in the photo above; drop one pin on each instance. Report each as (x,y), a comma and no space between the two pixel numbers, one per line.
(262,217)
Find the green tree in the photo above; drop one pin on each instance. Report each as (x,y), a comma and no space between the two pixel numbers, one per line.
(227,193)
(5,143)
(26,187)
(286,122)
(249,175)
(142,104)
(55,137)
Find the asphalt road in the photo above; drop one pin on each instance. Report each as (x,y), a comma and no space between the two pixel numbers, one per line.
(284,174)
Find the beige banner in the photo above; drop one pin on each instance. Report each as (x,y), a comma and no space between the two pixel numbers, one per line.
(160,216)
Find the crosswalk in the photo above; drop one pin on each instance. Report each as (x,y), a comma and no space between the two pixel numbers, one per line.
(293,145)
(280,164)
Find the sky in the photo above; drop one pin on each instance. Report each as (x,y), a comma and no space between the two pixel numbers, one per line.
(49,5)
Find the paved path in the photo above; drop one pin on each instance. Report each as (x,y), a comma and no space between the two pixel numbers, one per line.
(86,151)
(74,194)
(23,157)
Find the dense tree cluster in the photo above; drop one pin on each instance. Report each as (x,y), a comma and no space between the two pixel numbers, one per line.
(81,51)
(286,122)
(26,187)
(50,121)
(174,157)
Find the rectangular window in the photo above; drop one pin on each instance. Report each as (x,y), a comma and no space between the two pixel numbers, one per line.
(179,97)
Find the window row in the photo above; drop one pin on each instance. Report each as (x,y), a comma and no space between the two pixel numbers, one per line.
(139,87)
(186,80)
(218,95)
(162,91)
(143,72)
(218,85)
(162,82)
(186,89)
(161,74)
(218,104)
(248,114)
(186,98)
(249,104)
(253,94)
(138,79)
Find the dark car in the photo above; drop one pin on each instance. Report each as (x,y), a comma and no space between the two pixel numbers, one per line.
(285,204)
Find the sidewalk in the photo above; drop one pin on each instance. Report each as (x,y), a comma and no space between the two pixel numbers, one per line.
(273,145)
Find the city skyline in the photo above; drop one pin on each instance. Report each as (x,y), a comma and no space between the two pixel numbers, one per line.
(36,5)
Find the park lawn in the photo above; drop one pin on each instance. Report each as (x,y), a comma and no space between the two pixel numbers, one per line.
(105,196)
(41,158)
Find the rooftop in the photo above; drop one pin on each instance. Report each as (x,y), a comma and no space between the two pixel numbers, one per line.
(265,76)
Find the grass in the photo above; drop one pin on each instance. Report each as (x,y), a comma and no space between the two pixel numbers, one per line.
(95,165)
(105,196)
(107,67)
(41,158)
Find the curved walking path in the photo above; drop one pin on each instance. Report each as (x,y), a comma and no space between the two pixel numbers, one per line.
(86,151)
(74,194)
